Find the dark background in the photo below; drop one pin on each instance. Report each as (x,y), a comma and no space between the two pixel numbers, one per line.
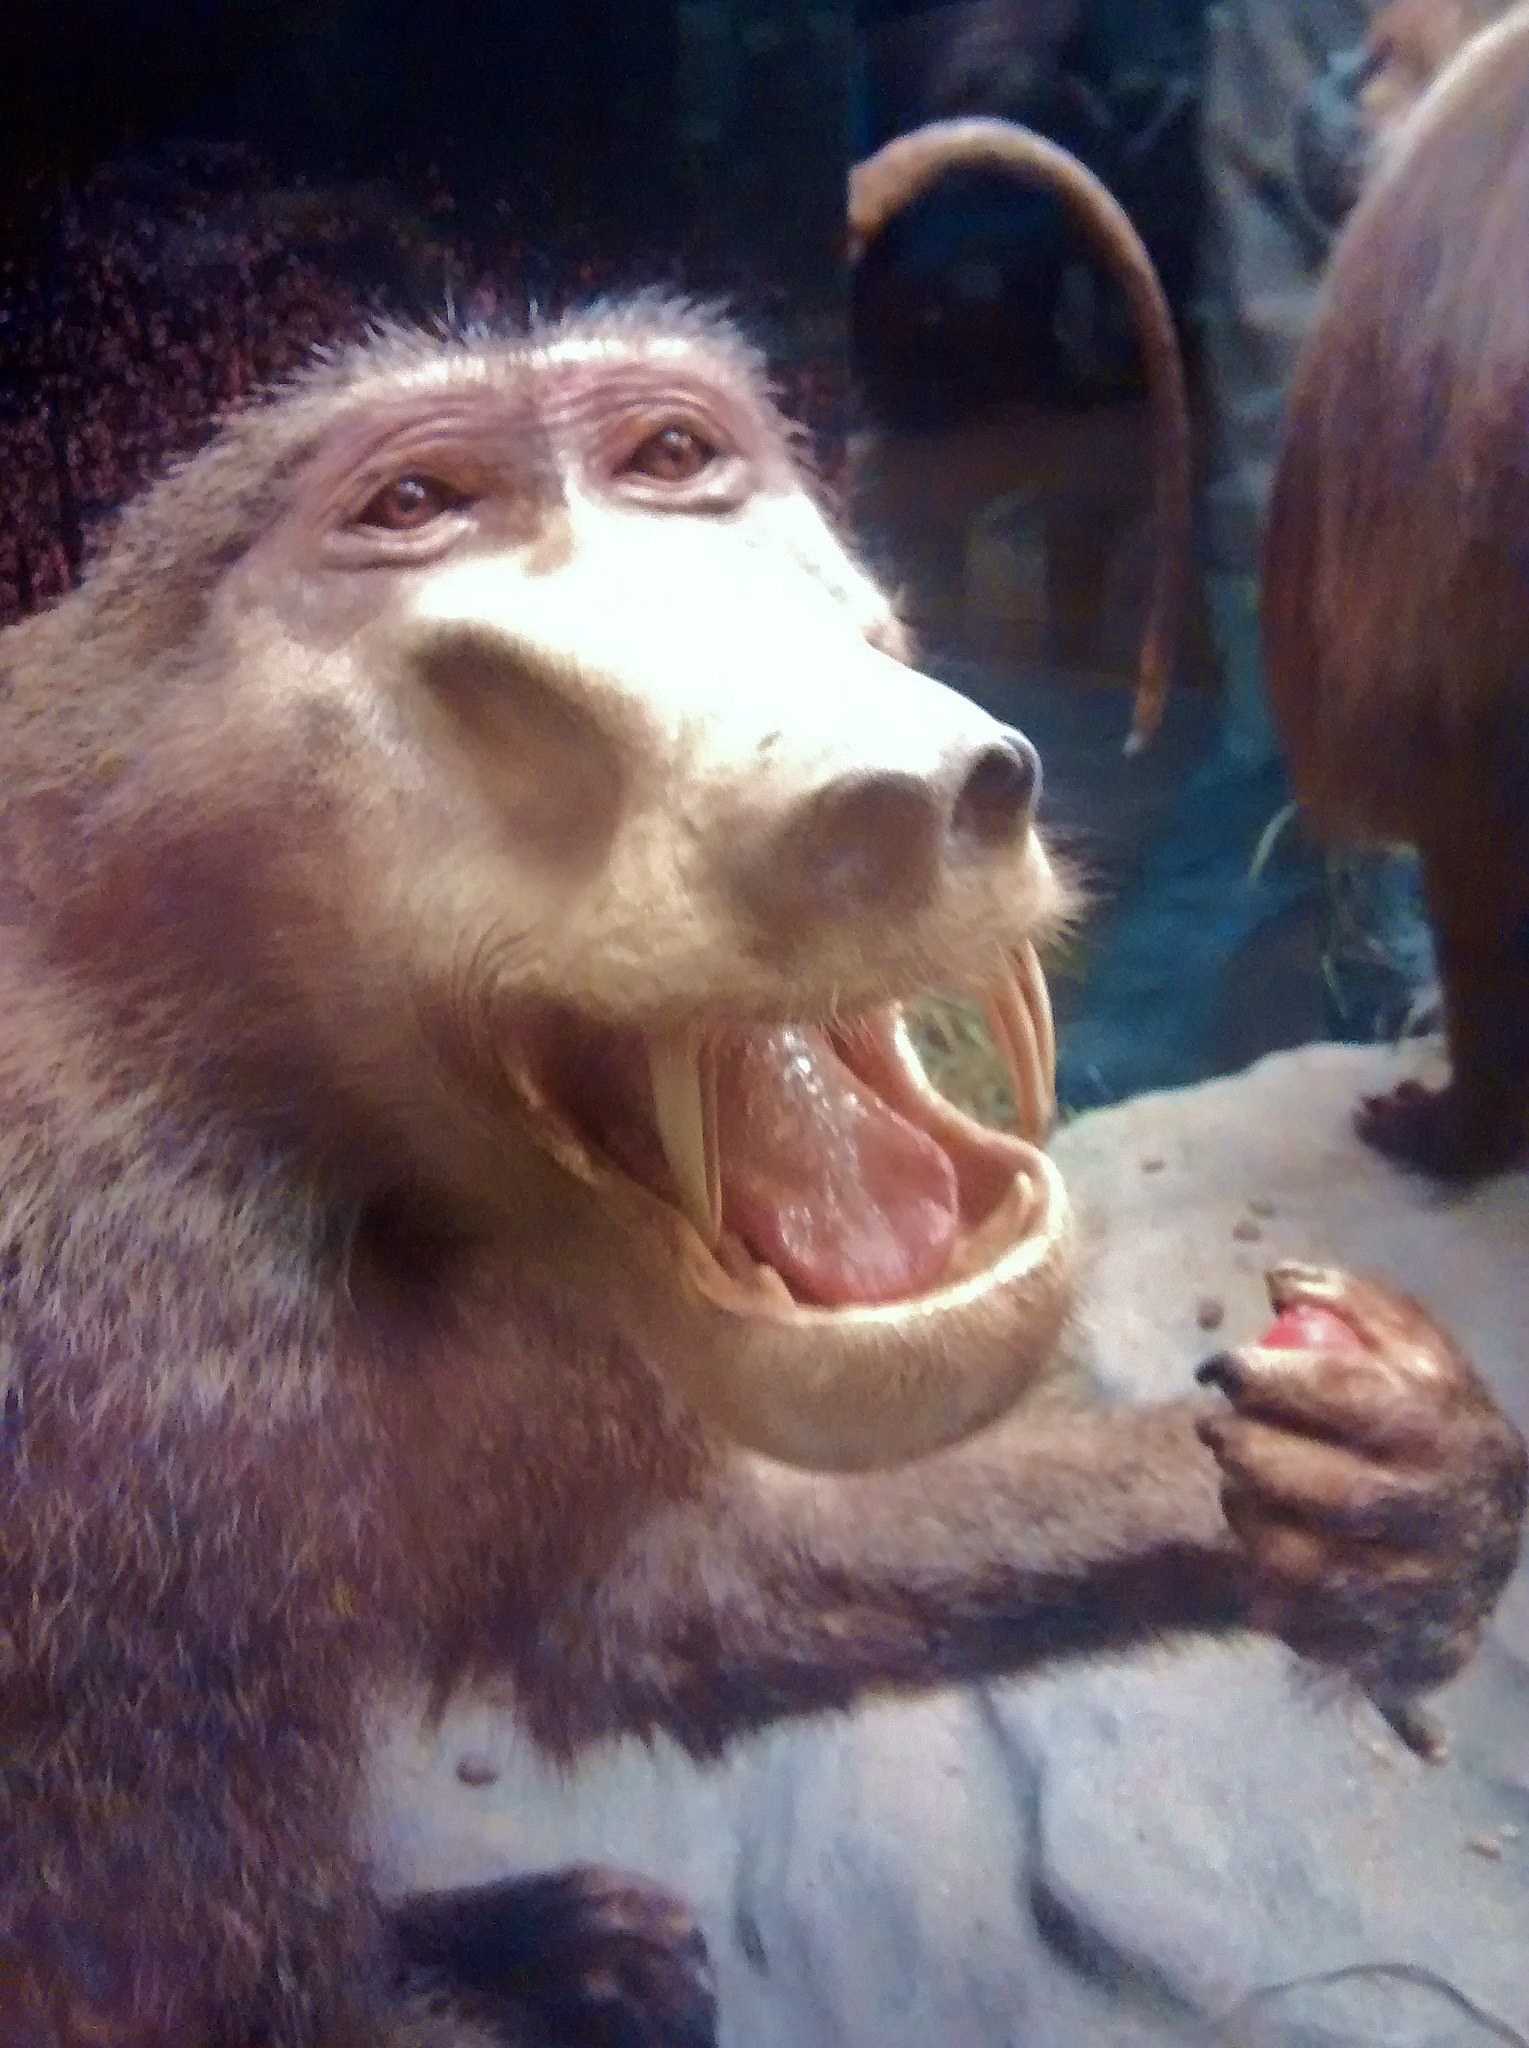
(356,88)
(585,118)
(535,104)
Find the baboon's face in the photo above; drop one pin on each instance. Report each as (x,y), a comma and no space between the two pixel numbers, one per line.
(609,840)
(1349,121)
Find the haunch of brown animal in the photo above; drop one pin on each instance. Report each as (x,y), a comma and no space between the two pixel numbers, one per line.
(1395,626)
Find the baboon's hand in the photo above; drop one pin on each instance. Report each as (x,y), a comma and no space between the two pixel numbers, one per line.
(587,1956)
(1376,1485)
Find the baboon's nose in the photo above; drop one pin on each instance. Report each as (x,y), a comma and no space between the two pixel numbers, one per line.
(878,840)
(998,796)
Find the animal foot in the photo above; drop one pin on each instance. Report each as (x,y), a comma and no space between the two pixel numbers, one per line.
(638,1971)
(1378,1489)
(580,1958)
(1441,1131)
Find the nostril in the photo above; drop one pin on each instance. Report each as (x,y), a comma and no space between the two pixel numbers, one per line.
(999,794)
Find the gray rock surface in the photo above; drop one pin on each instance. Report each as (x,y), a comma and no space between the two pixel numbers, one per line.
(1186,1847)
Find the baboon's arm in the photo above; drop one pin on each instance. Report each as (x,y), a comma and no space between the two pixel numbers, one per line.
(782,1591)
(1362,1501)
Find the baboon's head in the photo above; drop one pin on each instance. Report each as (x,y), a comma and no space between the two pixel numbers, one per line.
(483,768)
(1350,122)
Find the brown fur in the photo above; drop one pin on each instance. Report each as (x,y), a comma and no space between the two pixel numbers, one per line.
(322,1376)
(884,184)
(1396,629)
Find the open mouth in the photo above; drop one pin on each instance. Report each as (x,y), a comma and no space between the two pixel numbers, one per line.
(809,1167)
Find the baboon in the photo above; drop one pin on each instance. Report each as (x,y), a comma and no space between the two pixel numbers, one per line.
(884,184)
(1396,634)
(469,1205)
(1358,107)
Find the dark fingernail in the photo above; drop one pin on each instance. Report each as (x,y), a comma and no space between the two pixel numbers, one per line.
(1223,1370)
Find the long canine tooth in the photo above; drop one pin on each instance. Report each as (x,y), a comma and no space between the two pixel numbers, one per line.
(1013,1026)
(1037,999)
(685,1110)
(772,1287)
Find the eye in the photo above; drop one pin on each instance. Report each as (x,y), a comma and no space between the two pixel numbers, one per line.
(674,455)
(407,504)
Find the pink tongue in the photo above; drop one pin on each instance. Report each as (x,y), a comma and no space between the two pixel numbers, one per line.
(843,1197)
